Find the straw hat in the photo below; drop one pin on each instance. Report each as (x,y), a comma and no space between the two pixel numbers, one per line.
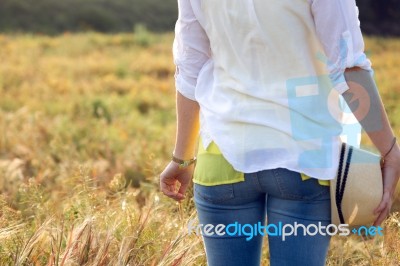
(358,188)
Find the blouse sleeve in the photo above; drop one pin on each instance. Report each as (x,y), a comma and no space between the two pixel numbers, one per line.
(338,29)
(191,49)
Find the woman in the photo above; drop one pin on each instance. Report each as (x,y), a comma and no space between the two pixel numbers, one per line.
(260,80)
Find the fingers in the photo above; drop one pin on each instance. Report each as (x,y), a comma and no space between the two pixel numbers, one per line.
(182,188)
(170,191)
(389,184)
(171,177)
(382,216)
(383,209)
(384,202)
(168,181)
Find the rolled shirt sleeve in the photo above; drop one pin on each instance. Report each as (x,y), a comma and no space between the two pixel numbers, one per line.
(191,49)
(338,29)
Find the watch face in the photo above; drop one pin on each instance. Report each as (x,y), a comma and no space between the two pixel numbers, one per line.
(185,164)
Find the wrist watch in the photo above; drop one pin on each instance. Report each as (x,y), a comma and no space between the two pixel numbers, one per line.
(183,163)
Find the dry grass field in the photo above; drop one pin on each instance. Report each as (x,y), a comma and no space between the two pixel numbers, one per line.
(87,125)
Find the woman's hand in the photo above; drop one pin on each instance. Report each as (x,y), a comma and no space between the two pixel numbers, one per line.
(171,176)
(391,173)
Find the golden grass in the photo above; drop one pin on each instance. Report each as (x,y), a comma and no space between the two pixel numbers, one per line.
(86,126)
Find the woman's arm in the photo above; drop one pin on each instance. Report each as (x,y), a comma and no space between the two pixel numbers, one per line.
(375,122)
(185,147)
(191,50)
(338,29)
(376,125)
(187,112)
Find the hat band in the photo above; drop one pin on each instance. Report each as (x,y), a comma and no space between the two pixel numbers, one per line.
(341,183)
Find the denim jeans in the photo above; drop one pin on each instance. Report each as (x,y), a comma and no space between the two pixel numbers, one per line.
(279,195)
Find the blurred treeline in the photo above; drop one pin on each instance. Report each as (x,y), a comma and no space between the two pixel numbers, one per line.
(58,16)
(378,17)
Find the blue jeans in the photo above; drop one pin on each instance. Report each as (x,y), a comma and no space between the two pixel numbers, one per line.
(280,195)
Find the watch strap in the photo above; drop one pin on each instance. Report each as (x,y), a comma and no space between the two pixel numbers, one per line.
(183,163)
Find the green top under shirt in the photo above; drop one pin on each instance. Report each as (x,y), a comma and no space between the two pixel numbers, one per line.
(213,169)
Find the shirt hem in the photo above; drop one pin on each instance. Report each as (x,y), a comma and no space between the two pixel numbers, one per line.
(225,182)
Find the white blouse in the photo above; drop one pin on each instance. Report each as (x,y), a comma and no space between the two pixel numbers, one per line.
(268,76)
